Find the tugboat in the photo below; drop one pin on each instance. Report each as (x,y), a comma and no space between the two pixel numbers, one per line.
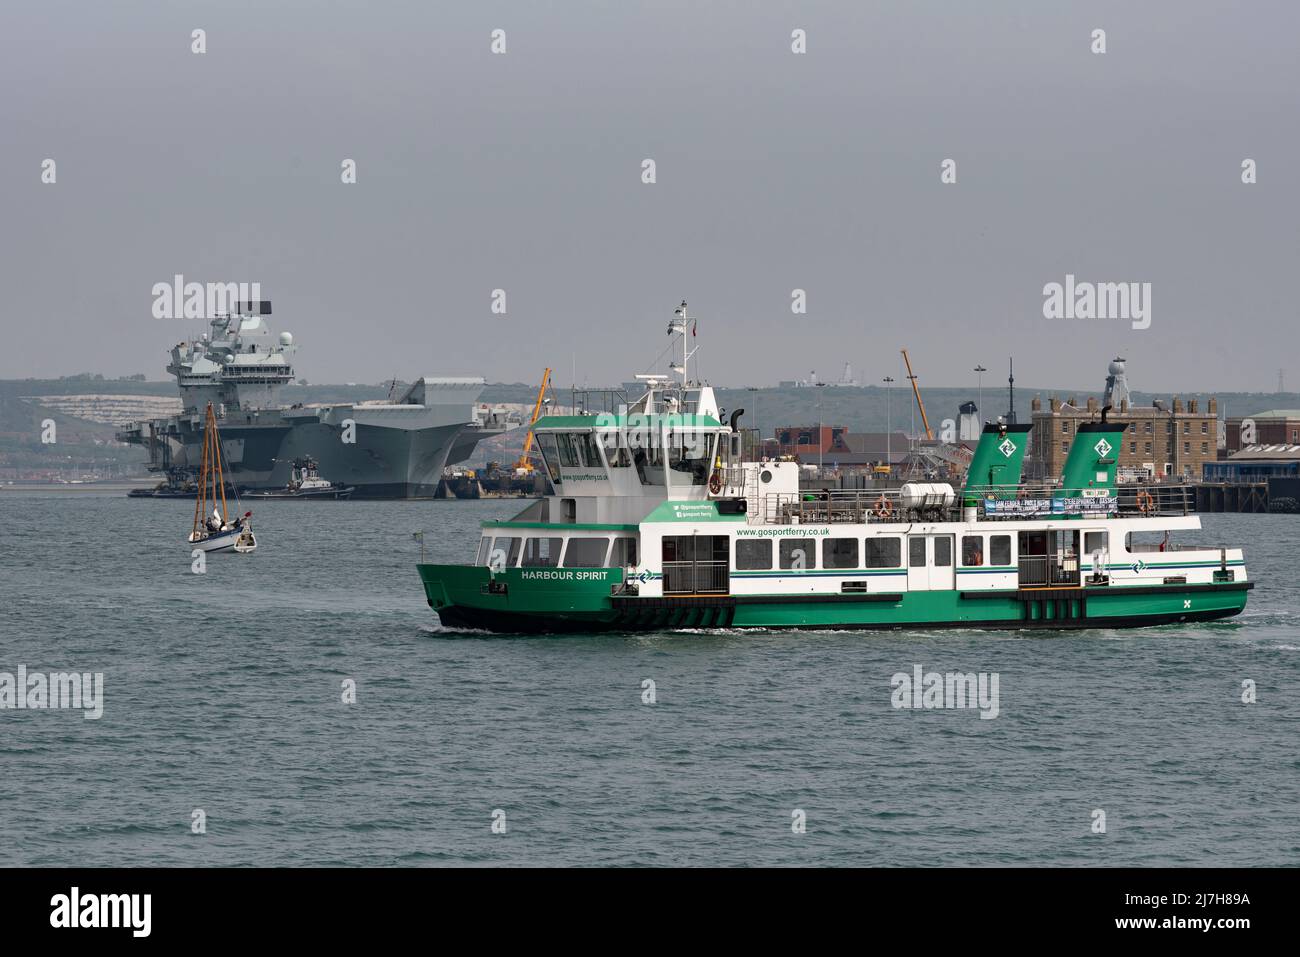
(305,482)
(180,483)
(658,523)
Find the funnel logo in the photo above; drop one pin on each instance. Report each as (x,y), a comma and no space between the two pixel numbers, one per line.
(1007,448)
(1103,448)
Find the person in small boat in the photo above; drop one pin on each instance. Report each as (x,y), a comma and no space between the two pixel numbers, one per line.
(214,522)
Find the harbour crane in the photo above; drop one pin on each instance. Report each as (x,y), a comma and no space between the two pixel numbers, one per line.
(525,461)
(929,436)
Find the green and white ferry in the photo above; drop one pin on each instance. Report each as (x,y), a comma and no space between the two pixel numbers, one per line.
(659,523)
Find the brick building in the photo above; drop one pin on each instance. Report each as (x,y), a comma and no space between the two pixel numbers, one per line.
(1170,442)
(810,440)
(1274,427)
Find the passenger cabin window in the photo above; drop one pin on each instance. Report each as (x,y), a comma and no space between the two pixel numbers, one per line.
(798,553)
(839,553)
(586,552)
(1094,541)
(916,552)
(505,552)
(753,555)
(972,550)
(624,554)
(484,547)
(1000,550)
(884,552)
(542,552)
(942,551)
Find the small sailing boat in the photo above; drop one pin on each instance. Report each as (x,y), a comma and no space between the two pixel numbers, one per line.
(216,532)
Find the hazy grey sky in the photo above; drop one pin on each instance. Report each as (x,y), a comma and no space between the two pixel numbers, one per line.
(775,171)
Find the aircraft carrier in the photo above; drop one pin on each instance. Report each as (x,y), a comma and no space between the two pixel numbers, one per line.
(396,448)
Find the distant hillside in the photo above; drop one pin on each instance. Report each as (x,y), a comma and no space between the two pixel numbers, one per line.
(859,409)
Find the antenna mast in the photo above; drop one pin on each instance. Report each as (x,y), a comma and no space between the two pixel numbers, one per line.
(1011,390)
(677,326)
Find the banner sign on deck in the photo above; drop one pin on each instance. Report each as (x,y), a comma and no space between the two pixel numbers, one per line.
(1090,505)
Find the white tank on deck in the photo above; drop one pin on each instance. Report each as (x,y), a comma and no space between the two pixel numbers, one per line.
(915,495)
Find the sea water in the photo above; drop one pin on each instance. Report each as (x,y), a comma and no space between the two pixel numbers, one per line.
(302,706)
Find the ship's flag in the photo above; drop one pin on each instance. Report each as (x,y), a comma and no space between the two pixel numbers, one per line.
(695,323)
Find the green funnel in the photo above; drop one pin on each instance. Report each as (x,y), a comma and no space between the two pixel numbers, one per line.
(1088,478)
(1091,462)
(995,468)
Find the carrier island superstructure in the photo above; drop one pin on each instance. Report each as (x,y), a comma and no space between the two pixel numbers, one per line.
(659,523)
(387,449)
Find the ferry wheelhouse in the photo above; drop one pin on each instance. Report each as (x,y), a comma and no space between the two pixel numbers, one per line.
(658,522)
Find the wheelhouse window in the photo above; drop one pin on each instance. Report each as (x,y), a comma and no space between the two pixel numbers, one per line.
(616,451)
(884,552)
(649,463)
(505,552)
(690,452)
(568,450)
(542,552)
(550,454)
(590,451)
(839,553)
(586,552)
(798,553)
(972,550)
(753,555)
(1000,550)
(624,554)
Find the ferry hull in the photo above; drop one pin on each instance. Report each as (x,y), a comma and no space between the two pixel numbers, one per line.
(468,597)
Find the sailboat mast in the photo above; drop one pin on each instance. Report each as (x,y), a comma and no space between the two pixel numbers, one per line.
(219,478)
(200,500)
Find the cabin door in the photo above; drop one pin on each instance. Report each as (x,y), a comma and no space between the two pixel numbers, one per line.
(1049,558)
(929,563)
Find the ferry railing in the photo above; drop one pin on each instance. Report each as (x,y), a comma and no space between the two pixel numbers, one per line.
(832,507)
(1033,571)
(696,578)
(1042,571)
(734,481)
(1046,500)
(991,503)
